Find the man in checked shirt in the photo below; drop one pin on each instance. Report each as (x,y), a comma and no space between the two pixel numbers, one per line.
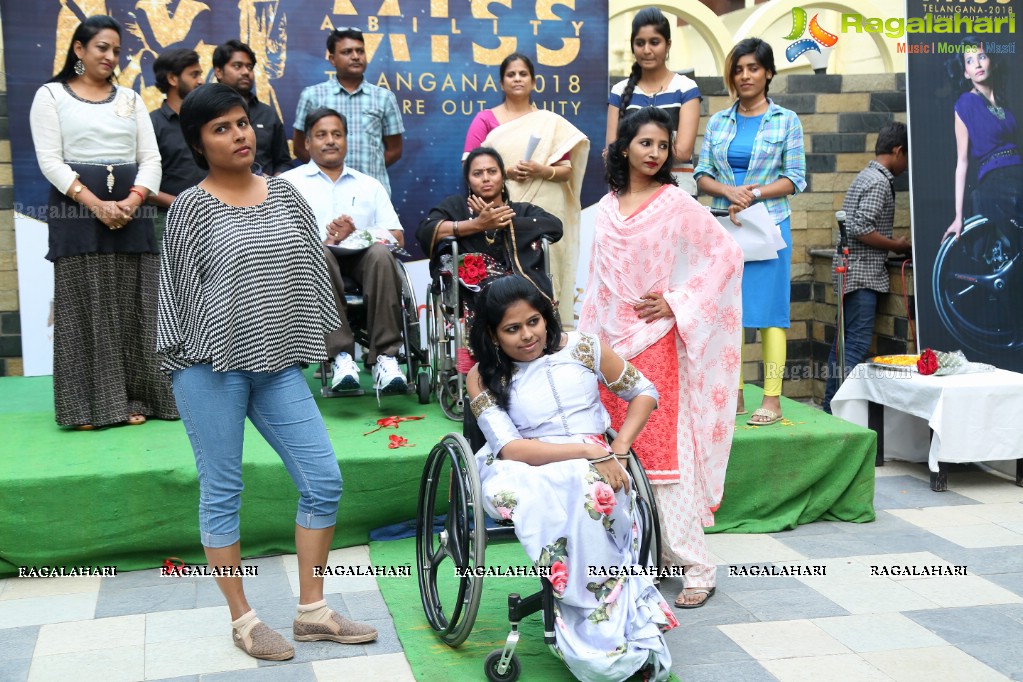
(870,214)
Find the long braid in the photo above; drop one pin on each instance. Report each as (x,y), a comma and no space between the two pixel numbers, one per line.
(630,87)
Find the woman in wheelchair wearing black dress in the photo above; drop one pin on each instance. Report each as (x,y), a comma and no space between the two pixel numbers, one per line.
(505,233)
(547,467)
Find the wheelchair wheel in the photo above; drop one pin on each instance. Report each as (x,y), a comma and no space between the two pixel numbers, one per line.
(411,333)
(449,591)
(434,334)
(449,392)
(491,663)
(650,543)
(442,326)
(423,388)
(977,286)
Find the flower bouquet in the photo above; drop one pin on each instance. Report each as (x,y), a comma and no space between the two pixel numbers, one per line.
(941,363)
(472,269)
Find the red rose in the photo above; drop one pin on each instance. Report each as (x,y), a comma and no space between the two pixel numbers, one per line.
(559,577)
(928,362)
(473,269)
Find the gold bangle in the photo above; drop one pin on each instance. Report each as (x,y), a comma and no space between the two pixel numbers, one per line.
(554,171)
(454,229)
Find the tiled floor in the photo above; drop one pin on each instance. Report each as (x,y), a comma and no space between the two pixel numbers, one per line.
(846,625)
(851,625)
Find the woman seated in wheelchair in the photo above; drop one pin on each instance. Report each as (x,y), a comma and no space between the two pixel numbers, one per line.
(547,467)
(495,236)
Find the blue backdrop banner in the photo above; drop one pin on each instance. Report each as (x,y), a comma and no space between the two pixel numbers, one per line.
(440,58)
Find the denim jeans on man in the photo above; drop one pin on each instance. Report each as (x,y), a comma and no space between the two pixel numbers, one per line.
(860,308)
(213,406)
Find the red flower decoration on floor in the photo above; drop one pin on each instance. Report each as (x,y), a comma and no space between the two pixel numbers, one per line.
(397,441)
(928,362)
(389,422)
(173,566)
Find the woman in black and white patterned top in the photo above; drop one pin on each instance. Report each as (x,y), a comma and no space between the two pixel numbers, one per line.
(244,298)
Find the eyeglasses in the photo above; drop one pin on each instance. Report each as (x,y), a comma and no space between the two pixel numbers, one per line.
(341,29)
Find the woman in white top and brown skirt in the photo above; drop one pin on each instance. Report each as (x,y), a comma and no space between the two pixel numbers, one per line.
(95,144)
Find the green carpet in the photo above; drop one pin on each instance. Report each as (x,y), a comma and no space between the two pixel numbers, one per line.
(434,661)
(809,466)
(128,496)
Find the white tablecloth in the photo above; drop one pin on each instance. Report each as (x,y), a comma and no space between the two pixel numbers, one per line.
(975,417)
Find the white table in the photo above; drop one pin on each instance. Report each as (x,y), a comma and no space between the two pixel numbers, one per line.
(958,418)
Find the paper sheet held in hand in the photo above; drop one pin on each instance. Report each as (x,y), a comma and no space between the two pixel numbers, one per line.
(531,144)
(759,236)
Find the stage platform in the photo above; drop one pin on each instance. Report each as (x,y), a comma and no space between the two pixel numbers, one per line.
(128,496)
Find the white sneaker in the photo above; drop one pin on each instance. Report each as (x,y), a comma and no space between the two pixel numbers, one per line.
(346,373)
(387,376)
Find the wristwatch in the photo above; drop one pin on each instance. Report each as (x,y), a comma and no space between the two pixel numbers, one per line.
(75,191)
(756,193)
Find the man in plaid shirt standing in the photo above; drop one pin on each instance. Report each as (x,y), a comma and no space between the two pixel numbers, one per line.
(374,120)
(870,215)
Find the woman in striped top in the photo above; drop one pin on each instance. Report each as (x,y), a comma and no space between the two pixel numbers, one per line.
(653,84)
(244,298)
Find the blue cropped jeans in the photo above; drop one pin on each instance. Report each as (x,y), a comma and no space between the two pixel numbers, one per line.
(213,407)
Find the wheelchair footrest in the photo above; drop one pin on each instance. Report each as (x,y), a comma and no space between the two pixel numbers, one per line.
(328,392)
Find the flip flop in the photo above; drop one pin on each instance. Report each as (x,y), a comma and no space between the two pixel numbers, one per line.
(771,415)
(680,601)
(136,419)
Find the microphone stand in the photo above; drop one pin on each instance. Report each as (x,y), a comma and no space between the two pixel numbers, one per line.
(840,270)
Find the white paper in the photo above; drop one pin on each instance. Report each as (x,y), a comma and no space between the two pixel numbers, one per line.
(383,235)
(759,237)
(531,144)
(364,238)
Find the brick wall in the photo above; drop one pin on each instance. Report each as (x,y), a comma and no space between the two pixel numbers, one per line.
(840,116)
(10,323)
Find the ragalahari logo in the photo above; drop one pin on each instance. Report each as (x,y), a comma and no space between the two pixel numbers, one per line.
(810,47)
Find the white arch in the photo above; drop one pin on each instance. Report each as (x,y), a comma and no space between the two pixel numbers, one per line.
(703,20)
(766,14)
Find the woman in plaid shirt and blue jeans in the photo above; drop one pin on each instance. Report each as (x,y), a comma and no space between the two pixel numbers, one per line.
(753,151)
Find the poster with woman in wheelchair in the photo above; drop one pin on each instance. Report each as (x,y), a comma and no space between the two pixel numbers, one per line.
(967,196)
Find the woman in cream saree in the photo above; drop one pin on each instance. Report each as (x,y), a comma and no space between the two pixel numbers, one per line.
(546,157)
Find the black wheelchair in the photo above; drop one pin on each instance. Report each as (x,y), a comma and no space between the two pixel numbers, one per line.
(411,354)
(451,483)
(447,332)
(978,285)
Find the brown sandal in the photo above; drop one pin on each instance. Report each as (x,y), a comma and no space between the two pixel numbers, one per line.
(680,602)
(136,419)
(84,427)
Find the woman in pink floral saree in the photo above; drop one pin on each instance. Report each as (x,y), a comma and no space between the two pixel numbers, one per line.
(664,291)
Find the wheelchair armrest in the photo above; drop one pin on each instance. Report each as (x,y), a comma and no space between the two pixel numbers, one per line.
(610,436)
(445,245)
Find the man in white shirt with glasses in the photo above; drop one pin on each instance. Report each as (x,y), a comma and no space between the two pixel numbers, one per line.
(354,212)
